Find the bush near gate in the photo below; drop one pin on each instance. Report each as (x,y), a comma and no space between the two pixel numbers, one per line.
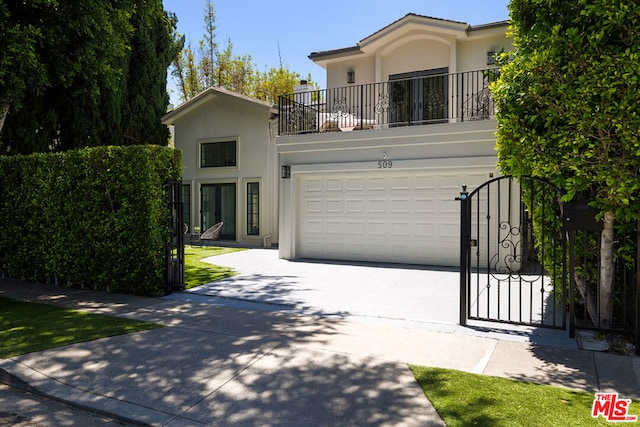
(95,217)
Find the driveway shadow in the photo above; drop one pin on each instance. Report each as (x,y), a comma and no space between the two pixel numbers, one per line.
(214,365)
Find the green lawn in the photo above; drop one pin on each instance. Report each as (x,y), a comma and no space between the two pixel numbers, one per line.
(197,272)
(464,399)
(27,327)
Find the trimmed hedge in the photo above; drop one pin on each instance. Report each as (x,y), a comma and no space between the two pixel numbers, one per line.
(96,217)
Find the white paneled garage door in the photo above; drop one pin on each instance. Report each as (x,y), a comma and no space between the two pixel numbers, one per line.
(389,216)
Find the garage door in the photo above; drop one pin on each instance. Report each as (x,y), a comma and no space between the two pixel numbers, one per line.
(386,217)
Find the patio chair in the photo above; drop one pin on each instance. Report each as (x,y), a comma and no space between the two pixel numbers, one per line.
(212,233)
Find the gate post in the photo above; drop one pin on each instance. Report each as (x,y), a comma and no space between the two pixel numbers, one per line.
(174,253)
(572,283)
(464,252)
(638,287)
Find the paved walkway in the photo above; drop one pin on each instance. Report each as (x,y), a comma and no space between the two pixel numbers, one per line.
(220,364)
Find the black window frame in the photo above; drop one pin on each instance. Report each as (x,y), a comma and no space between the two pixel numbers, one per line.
(253,208)
(225,157)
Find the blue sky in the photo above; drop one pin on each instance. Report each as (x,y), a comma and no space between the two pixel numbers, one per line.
(257,27)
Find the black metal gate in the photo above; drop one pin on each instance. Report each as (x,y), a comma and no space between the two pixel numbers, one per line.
(513,254)
(175,246)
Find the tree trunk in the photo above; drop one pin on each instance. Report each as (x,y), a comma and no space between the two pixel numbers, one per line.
(4,110)
(606,272)
(590,300)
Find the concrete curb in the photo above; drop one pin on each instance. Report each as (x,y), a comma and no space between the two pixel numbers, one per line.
(19,384)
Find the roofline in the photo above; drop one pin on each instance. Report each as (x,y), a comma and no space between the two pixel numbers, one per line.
(347,51)
(489,26)
(414,15)
(326,54)
(203,96)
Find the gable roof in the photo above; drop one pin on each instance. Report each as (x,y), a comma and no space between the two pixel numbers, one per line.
(210,94)
(445,26)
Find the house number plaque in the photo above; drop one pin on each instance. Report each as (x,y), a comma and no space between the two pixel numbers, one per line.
(385,164)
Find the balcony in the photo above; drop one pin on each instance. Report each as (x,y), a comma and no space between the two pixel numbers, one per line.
(417,101)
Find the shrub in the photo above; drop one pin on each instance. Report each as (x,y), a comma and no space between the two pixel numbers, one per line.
(96,217)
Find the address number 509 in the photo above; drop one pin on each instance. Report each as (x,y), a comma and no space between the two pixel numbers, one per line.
(385,164)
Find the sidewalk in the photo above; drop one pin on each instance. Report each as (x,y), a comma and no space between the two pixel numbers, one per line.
(219,365)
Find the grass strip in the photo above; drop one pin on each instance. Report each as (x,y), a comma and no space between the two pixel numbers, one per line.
(26,327)
(198,272)
(465,399)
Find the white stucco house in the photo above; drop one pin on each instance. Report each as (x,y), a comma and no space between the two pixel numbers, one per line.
(230,165)
(370,167)
(365,170)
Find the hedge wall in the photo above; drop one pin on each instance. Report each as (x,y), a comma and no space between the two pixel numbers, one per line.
(96,217)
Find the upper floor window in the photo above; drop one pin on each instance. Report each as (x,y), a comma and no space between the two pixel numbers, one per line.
(218,154)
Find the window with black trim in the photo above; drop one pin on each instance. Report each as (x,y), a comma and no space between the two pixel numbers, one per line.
(253,208)
(218,154)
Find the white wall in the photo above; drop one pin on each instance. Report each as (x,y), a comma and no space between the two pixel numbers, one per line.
(424,53)
(363,66)
(460,146)
(472,53)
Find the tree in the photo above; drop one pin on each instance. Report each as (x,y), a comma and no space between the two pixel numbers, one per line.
(209,46)
(234,72)
(19,65)
(100,69)
(185,71)
(275,82)
(567,103)
(210,66)
(152,52)
(196,71)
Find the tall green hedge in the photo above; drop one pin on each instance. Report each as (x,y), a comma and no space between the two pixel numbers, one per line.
(95,217)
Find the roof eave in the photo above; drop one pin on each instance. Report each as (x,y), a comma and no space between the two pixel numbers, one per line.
(320,58)
(489,26)
(211,93)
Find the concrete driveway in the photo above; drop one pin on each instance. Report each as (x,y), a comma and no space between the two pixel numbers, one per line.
(416,296)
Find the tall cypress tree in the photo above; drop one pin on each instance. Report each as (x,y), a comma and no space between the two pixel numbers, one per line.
(152,51)
(104,68)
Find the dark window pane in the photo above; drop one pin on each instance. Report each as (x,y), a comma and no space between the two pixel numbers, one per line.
(218,154)
(253,208)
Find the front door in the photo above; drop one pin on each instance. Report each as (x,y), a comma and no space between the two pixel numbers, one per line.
(219,205)
(419,97)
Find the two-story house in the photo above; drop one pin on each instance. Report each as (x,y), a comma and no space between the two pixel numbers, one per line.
(371,166)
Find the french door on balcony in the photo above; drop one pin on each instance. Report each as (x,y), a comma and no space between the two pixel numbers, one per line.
(419,97)
(219,205)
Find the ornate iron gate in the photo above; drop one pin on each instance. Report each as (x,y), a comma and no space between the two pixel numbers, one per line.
(513,254)
(175,246)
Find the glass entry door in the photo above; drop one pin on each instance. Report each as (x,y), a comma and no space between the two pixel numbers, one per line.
(219,205)
(419,97)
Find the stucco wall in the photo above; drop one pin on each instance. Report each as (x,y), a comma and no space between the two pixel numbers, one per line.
(472,53)
(423,52)
(362,66)
(453,147)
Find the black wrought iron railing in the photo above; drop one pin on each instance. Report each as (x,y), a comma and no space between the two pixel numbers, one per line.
(441,98)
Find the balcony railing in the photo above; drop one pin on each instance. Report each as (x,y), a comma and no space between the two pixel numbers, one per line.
(441,98)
